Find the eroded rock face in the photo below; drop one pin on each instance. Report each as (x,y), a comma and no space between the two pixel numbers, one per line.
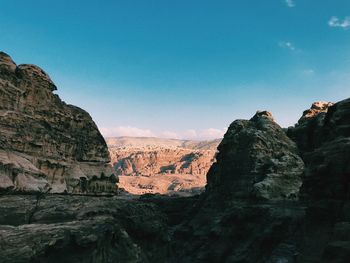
(45,143)
(256,159)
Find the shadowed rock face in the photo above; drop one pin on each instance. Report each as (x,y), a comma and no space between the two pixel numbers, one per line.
(45,143)
(256,159)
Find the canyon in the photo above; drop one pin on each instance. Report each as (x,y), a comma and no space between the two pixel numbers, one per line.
(272,195)
(164,166)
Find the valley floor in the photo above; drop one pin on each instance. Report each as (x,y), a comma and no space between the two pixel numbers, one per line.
(170,184)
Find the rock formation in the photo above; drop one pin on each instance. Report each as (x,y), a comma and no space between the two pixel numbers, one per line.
(256,159)
(45,144)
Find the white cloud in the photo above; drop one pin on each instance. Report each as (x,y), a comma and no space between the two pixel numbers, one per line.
(287,45)
(336,22)
(126,131)
(290,3)
(190,134)
(212,133)
(169,135)
(205,134)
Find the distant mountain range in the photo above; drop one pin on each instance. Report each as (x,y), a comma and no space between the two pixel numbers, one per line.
(140,142)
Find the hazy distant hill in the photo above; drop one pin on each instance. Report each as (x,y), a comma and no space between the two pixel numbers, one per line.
(139,142)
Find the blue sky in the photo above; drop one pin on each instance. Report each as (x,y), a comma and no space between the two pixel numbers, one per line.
(184,68)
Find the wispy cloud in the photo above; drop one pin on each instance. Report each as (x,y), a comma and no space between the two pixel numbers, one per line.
(212,133)
(287,45)
(336,22)
(290,3)
(308,72)
(205,134)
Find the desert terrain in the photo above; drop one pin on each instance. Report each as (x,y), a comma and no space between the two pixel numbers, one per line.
(163,166)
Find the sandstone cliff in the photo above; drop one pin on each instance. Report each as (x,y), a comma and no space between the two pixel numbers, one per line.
(45,144)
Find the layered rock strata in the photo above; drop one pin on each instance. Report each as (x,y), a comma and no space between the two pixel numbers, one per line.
(45,144)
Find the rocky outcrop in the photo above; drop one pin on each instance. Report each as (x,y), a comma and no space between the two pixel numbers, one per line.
(45,144)
(256,160)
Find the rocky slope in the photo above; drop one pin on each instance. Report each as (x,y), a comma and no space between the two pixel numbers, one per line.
(166,166)
(45,144)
